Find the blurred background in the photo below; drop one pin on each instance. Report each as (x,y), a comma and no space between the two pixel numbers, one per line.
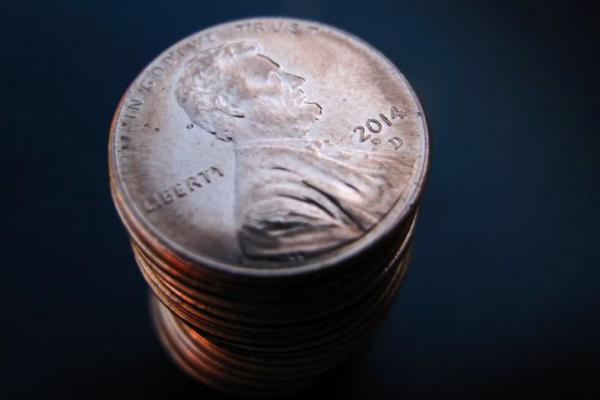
(502,298)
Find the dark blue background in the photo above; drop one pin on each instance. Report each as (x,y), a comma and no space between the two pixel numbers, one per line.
(502,298)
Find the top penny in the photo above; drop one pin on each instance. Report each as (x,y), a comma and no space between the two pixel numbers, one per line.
(269,145)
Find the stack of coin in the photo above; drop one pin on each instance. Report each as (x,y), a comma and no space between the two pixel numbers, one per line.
(268,172)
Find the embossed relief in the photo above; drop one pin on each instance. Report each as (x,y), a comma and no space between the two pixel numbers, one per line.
(295,197)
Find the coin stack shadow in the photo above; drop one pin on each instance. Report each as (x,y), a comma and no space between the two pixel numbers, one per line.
(267,335)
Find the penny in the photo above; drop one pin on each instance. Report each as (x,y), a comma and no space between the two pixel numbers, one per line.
(251,150)
(268,172)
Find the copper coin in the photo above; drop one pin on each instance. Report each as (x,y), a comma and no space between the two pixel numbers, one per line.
(269,147)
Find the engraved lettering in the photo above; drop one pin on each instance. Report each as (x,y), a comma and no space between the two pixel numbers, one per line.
(240,27)
(277,26)
(179,190)
(186,48)
(395,113)
(191,182)
(169,59)
(202,40)
(150,204)
(124,142)
(385,119)
(374,125)
(258,27)
(158,71)
(147,84)
(361,131)
(166,196)
(396,142)
(134,105)
(294,28)
(205,176)
(217,170)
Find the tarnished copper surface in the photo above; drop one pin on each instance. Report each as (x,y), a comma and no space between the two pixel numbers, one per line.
(268,172)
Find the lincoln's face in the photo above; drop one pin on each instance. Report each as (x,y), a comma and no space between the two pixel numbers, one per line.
(239,94)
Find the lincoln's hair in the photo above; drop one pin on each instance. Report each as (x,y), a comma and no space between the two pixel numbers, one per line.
(211,87)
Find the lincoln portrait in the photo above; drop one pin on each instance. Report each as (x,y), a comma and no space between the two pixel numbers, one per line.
(295,197)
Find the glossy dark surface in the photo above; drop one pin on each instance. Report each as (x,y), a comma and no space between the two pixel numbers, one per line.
(502,296)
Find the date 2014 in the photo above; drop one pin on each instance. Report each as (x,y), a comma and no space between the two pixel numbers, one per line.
(374,125)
